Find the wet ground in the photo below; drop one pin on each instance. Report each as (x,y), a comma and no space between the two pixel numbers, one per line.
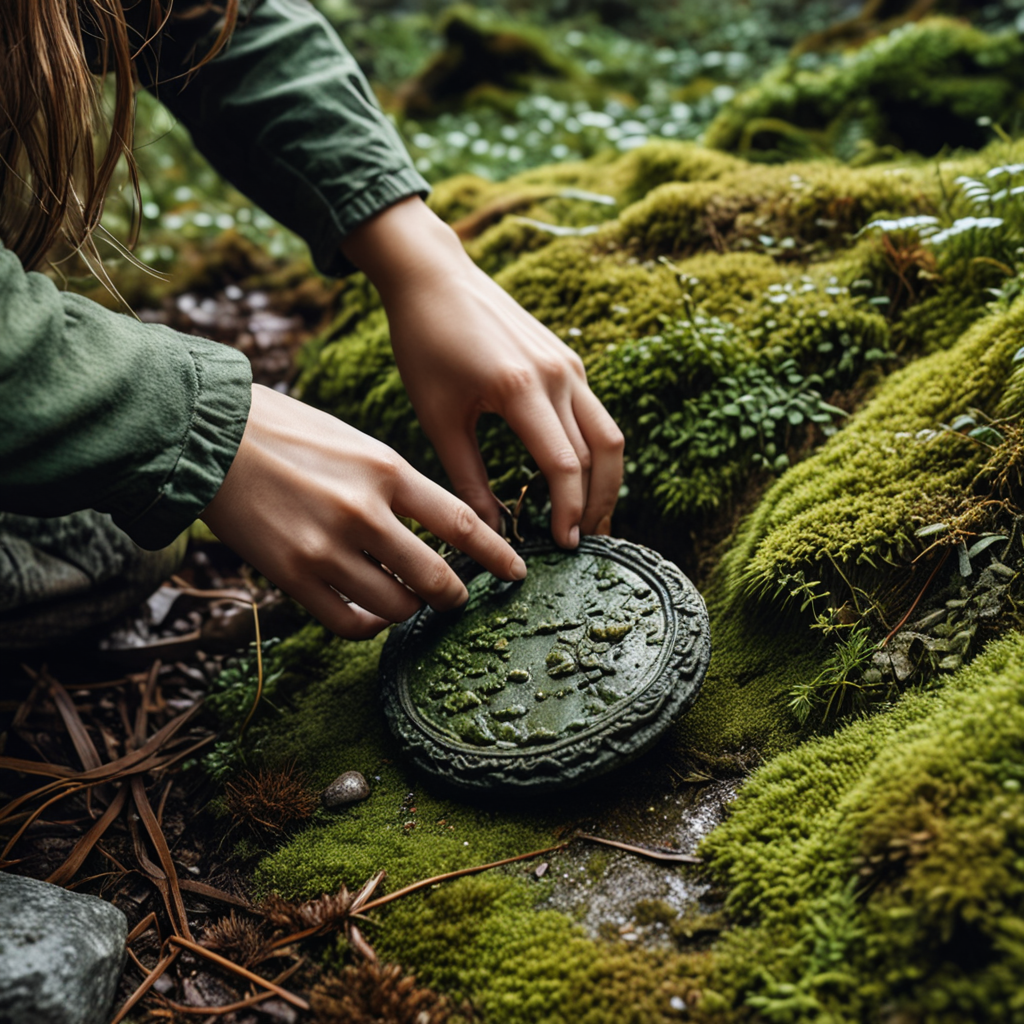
(602,887)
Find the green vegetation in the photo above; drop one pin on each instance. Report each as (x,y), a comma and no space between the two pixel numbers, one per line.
(819,369)
(922,88)
(884,866)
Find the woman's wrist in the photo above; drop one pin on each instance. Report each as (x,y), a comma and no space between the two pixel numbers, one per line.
(405,245)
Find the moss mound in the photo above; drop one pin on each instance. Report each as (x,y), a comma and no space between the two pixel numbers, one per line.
(923,88)
(857,501)
(879,873)
(838,352)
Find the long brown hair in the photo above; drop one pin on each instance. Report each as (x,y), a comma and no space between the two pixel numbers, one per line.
(53,175)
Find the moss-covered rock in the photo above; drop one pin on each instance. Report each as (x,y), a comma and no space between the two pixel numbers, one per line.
(880,871)
(922,88)
(857,502)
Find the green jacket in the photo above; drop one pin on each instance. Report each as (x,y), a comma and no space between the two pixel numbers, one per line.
(98,410)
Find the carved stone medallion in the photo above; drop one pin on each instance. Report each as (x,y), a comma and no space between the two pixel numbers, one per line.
(546,683)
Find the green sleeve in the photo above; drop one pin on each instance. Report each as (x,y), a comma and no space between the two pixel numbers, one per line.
(98,410)
(285,114)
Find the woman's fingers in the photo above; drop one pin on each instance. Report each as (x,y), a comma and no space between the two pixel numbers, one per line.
(361,579)
(422,569)
(567,415)
(337,614)
(533,417)
(606,443)
(453,521)
(459,452)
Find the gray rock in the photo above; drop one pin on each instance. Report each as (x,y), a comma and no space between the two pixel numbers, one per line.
(61,954)
(347,788)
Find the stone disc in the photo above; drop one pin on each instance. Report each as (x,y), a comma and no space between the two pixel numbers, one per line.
(549,682)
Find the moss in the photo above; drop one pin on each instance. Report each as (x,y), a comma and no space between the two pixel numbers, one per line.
(858,500)
(884,866)
(482,54)
(756,660)
(922,88)
(811,204)
(483,938)
(480,937)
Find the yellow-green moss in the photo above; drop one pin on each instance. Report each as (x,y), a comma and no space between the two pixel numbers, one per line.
(922,87)
(881,870)
(858,500)
(808,203)
(482,938)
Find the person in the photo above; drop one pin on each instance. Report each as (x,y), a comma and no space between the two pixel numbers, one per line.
(147,429)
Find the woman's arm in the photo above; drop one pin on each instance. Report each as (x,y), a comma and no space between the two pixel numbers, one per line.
(463,347)
(98,410)
(286,114)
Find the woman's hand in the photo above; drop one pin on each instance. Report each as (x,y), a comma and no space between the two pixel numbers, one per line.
(311,503)
(463,346)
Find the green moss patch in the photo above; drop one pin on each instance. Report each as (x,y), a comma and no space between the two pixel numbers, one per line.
(881,870)
(922,87)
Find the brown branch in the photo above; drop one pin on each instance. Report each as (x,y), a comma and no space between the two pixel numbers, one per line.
(84,846)
(176,905)
(380,901)
(146,985)
(217,1011)
(194,947)
(644,851)
(910,611)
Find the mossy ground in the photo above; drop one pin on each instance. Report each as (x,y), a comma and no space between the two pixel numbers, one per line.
(879,872)
(764,351)
(479,937)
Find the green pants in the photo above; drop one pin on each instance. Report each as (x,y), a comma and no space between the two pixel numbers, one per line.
(61,578)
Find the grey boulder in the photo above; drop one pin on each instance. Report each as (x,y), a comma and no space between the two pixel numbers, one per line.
(61,954)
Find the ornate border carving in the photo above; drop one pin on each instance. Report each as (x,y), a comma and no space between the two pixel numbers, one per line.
(623,732)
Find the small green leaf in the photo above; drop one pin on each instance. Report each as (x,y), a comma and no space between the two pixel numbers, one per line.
(962,422)
(986,541)
(965,559)
(1018,356)
(987,435)
(931,530)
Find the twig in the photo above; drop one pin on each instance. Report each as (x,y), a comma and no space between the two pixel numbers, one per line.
(194,947)
(142,927)
(217,1011)
(380,901)
(259,674)
(910,611)
(175,904)
(644,851)
(82,848)
(147,984)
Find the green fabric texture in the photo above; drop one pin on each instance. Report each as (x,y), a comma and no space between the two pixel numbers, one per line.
(98,410)
(285,114)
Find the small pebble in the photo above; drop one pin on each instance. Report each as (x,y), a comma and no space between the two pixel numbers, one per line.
(541,870)
(347,788)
